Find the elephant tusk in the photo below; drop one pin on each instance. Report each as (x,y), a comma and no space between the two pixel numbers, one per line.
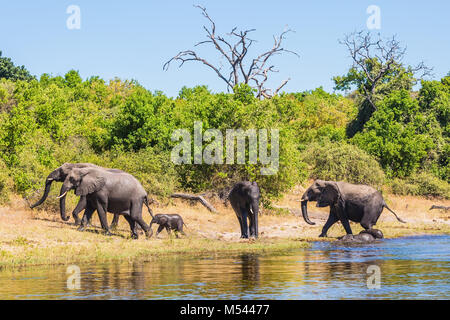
(59,197)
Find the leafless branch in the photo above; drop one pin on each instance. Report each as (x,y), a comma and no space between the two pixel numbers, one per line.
(388,54)
(234,49)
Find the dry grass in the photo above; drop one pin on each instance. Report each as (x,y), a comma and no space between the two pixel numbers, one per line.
(33,237)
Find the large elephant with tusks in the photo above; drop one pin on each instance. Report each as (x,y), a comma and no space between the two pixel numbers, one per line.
(117,193)
(355,202)
(59,175)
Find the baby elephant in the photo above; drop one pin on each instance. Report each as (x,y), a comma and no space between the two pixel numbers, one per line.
(364,236)
(170,222)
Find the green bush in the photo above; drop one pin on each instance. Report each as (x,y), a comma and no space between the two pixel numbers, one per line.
(394,135)
(421,184)
(120,124)
(343,162)
(6,183)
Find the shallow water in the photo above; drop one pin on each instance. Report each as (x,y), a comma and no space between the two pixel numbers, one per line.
(410,268)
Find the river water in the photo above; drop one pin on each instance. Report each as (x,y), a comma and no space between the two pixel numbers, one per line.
(415,267)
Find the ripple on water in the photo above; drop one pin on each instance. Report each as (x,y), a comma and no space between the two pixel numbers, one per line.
(410,268)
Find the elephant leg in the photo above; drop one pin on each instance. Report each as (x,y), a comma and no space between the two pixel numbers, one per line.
(238,215)
(332,219)
(244,215)
(102,211)
(132,224)
(80,207)
(86,217)
(160,228)
(144,226)
(136,214)
(366,221)
(241,225)
(115,222)
(346,225)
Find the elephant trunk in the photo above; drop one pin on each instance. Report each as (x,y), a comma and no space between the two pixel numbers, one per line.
(255,210)
(48,184)
(304,203)
(62,202)
(150,227)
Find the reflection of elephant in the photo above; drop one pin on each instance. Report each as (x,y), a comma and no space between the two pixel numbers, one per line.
(244,198)
(170,222)
(59,175)
(358,203)
(363,236)
(115,192)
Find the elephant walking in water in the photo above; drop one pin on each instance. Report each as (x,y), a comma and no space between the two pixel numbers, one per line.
(59,175)
(358,203)
(244,198)
(105,191)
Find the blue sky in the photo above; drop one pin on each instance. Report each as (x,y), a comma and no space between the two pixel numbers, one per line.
(133,39)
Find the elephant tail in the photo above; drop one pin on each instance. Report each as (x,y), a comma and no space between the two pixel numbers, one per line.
(386,206)
(148,207)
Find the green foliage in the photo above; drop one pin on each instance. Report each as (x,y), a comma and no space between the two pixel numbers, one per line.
(9,71)
(120,124)
(142,121)
(369,93)
(343,162)
(421,184)
(434,102)
(6,183)
(396,78)
(394,135)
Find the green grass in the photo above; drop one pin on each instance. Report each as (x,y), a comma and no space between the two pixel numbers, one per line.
(120,250)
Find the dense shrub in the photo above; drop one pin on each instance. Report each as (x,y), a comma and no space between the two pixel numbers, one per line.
(6,182)
(120,124)
(395,135)
(343,162)
(421,184)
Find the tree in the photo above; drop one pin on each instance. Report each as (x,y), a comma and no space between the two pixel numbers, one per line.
(234,49)
(377,71)
(396,135)
(9,71)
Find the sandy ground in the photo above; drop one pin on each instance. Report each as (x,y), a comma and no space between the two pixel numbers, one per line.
(37,237)
(40,226)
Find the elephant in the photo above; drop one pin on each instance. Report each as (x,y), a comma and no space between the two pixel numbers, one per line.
(59,175)
(244,198)
(363,237)
(170,222)
(117,192)
(355,202)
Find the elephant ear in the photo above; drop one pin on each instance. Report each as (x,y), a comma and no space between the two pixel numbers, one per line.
(90,183)
(332,194)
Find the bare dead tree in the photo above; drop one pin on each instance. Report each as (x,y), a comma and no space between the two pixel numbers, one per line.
(235,49)
(376,60)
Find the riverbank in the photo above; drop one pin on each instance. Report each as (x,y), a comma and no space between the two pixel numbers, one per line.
(38,237)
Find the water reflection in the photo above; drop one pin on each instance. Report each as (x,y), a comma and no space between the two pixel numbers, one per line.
(414,267)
